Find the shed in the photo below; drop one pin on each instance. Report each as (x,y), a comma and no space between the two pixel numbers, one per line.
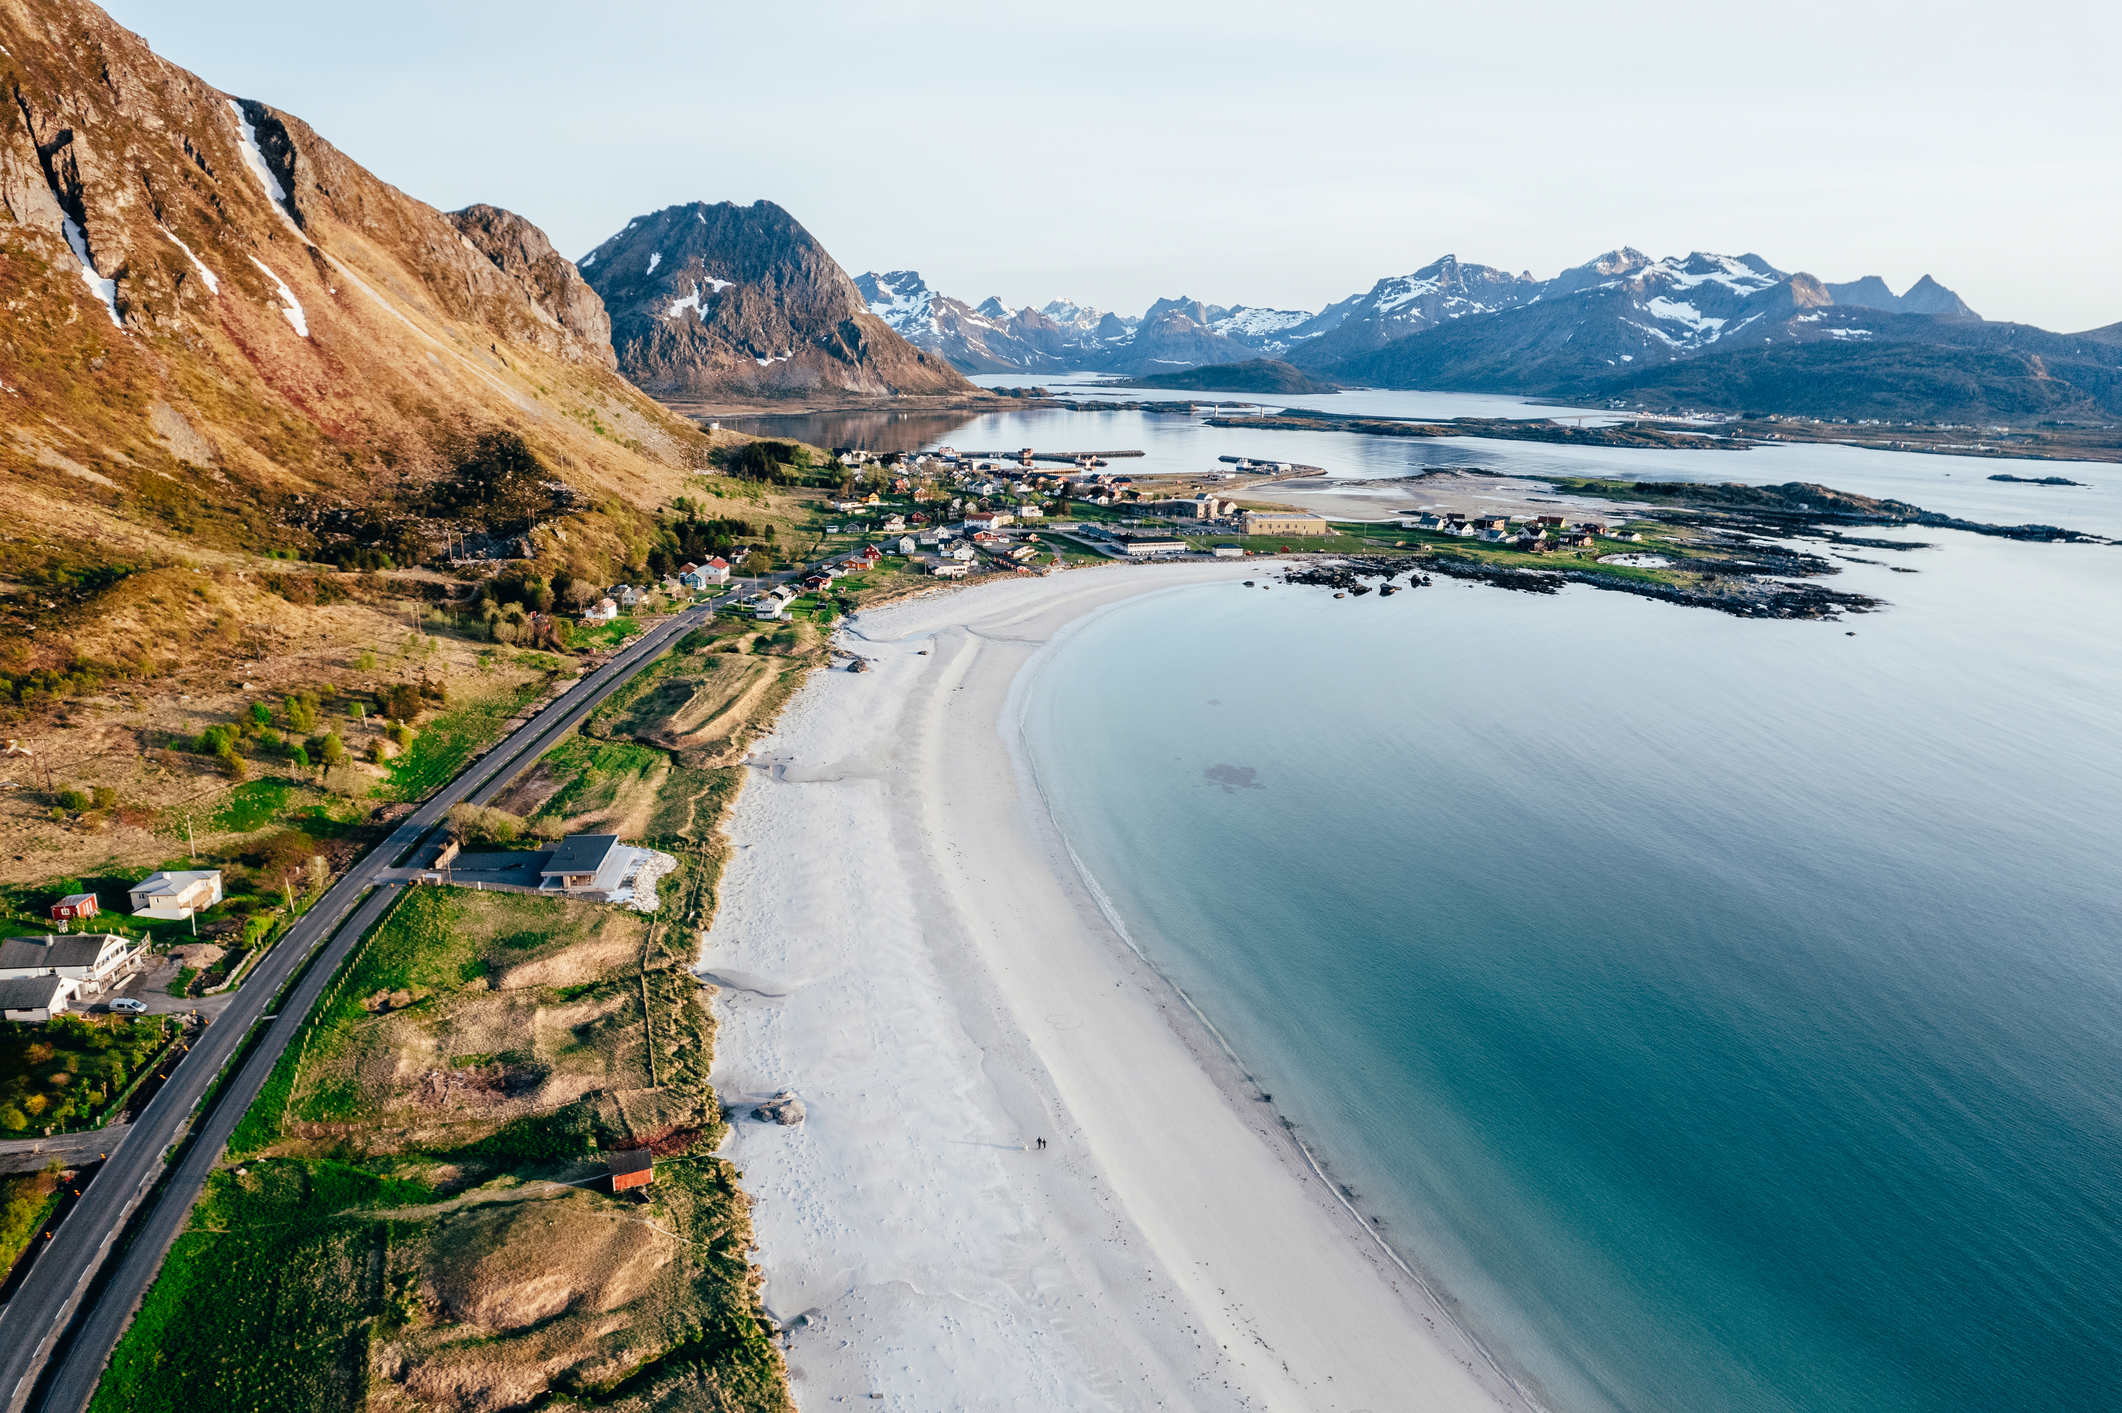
(632,1169)
(74,907)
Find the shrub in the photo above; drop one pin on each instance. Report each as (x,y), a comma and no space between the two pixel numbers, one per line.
(299,755)
(230,761)
(333,751)
(73,801)
(402,702)
(261,715)
(104,797)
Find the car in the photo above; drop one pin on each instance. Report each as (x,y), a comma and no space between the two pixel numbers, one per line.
(129,1006)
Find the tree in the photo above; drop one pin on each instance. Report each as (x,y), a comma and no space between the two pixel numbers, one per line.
(333,753)
(301,712)
(261,715)
(231,762)
(402,702)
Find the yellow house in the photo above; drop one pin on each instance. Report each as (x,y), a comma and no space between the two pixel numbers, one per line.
(1284,522)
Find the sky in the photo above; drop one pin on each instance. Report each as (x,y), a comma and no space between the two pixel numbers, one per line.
(1115,151)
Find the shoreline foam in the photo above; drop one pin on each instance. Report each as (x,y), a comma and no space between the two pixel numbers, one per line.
(907,941)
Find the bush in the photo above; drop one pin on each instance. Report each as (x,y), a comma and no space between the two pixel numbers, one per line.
(301,712)
(333,750)
(73,801)
(261,715)
(230,761)
(402,702)
(104,797)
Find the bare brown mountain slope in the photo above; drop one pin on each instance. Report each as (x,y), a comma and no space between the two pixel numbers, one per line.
(740,303)
(223,339)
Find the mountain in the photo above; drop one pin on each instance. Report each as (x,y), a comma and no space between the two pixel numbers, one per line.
(226,339)
(1896,367)
(1258,375)
(983,339)
(1734,332)
(741,302)
(1925,296)
(1400,305)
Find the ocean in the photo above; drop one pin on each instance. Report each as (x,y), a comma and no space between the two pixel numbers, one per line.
(1724,1014)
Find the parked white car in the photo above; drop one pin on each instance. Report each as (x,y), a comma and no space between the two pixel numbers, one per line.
(126,1005)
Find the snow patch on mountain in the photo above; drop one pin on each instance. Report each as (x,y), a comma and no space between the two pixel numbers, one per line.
(655,258)
(106,291)
(292,309)
(213,282)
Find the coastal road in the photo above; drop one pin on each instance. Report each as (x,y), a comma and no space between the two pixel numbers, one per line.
(52,1346)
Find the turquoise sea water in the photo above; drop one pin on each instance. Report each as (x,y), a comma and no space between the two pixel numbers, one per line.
(1727,1014)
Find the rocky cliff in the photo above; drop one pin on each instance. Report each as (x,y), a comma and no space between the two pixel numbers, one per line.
(224,338)
(741,303)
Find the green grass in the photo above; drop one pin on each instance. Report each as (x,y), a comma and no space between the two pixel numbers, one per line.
(452,738)
(61,1074)
(181,983)
(265,1301)
(250,806)
(598,636)
(596,772)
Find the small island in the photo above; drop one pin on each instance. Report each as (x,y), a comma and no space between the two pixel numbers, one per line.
(1257,375)
(2036,480)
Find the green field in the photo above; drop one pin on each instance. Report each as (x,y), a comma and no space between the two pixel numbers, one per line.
(448,740)
(26,1200)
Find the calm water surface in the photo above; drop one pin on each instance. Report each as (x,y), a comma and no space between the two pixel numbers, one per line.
(1728,1013)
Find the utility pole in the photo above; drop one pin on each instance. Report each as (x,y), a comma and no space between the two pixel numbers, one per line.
(189,843)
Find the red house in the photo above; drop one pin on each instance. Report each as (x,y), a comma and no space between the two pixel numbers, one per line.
(631,1169)
(74,907)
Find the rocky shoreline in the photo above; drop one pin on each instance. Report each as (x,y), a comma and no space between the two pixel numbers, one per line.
(1741,597)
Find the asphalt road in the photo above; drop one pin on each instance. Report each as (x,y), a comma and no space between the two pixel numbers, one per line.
(52,1348)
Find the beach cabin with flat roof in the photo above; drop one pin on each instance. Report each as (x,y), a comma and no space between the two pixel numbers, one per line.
(175,894)
(584,863)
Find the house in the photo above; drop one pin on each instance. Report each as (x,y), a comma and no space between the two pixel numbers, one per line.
(960,552)
(631,1170)
(30,1000)
(1227,552)
(1029,511)
(627,596)
(175,895)
(74,907)
(686,568)
(1284,522)
(950,569)
(906,544)
(1154,549)
(585,863)
(988,519)
(602,611)
(89,960)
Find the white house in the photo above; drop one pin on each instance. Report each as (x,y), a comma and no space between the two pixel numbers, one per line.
(961,552)
(950,569)
(87,960)
(893,524)
(906,544)
(1228,552)
(32,999)
(602,611)
(175,895)
(1153,549)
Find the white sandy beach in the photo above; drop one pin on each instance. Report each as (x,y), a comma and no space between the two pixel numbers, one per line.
(903,941)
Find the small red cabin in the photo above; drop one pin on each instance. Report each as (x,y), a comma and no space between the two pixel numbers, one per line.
(631,1169)
(74,907)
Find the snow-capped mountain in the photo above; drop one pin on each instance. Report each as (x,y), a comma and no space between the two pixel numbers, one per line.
(983,338)
(1400,305)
